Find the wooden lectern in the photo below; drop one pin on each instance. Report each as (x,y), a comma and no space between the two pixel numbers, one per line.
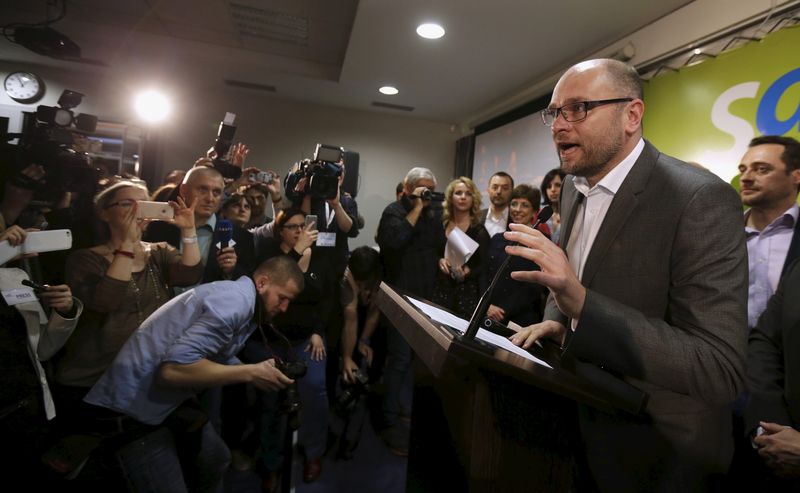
(474,375)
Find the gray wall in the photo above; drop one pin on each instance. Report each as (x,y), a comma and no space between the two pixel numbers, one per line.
(279,132)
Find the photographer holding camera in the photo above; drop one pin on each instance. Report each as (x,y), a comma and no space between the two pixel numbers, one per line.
(189,344)
(299,339)
(411,236)
(360,314)
(315,186)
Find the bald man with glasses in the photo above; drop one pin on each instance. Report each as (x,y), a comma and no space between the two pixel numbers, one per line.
(651,285)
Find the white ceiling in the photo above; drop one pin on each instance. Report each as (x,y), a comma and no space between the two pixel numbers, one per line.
(338,52)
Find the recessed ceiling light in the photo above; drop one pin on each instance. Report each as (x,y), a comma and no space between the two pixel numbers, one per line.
(388,90)
(697,51)
(430,30)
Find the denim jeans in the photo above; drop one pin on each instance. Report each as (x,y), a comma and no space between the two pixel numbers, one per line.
(313,432)
(152,463)
(398,377)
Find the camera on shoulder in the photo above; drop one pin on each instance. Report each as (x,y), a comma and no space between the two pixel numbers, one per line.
(322,173)
(53,137)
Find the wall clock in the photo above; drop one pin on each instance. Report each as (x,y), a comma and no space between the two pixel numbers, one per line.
(24,87)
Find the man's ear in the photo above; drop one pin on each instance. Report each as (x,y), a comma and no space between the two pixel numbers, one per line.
(634,115)
(262,283)
(182,190)
(796,176)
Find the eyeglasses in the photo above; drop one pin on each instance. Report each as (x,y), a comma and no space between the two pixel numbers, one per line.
(125,204)
(292,227)
(575,112)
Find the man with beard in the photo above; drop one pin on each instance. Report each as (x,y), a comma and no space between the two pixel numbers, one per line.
(769,182)
(495,217)
(190,343)
(651,286)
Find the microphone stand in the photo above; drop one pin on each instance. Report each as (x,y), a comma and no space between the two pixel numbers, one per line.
(483,305)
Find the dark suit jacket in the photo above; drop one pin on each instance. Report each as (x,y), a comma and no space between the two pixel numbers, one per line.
(773,358)
(665,309)
(245,256)
(794,249)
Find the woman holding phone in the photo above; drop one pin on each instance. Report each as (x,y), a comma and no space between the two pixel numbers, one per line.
(122,280)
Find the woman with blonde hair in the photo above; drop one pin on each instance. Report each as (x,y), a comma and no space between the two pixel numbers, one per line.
(456,286)
(122,281)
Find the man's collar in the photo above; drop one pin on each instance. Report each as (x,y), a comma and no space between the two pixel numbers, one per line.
(788,218)
(503,214)
(614,178)
(211,223)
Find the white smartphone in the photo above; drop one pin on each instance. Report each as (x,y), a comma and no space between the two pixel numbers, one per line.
(37,242)
(154,210)
(311,219)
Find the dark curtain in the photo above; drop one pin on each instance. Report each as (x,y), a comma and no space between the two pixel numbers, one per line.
(465,150)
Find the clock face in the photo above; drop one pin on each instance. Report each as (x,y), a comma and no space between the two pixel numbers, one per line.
(24,87)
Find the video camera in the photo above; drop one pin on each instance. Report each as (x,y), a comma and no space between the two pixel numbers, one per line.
(223,145)
(323,172)
(432,196)
(48,139)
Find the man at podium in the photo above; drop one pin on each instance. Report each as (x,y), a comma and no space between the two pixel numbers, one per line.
(651,285)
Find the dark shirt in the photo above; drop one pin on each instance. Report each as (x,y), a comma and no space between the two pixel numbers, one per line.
(336,255)
(308,312)
(245,255)
(411,253)
(522,301)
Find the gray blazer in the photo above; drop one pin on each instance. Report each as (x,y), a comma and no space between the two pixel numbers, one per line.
(666,309)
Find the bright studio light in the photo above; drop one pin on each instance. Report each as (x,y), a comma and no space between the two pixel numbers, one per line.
(430,30)
(388,90)
(152,106)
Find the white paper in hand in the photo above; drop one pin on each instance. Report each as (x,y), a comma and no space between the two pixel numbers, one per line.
(459,248)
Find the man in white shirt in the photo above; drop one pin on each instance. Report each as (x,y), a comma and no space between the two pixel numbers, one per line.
(495,217)
(652,287)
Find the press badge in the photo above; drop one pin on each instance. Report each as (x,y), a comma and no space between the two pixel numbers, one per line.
(19,296)
(326,239)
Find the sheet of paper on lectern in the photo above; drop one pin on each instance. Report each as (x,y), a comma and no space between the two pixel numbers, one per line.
(447,318)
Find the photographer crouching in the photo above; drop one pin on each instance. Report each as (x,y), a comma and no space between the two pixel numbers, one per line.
(360,313)
(297,341)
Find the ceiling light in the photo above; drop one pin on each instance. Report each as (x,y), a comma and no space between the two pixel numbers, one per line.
(430,30)
(388,90)
(152,106)
(697,51)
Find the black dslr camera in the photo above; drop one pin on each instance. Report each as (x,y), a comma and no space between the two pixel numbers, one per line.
(290,402)
(323,174)
(352,393)
(48,138)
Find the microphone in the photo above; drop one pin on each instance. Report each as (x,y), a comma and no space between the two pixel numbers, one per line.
(223,234)
(483,304)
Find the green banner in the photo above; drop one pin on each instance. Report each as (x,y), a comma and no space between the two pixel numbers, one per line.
(708,112)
